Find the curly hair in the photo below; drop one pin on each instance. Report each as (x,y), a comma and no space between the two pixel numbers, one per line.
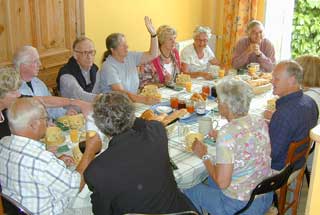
(113,113)
(9,81)
(236,94)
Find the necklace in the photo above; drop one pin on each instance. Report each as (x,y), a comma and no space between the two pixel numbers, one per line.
(1,117)
(165,55)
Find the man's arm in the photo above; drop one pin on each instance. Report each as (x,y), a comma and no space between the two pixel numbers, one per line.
(70,88)
(241,54)
(267,57)
(280,140)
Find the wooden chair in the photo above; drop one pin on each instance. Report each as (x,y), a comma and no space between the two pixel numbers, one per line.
(297,151)
(270,184)
(20,210)
(1,207)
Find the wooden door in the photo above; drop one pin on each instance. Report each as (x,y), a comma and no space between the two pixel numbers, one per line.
(49,25)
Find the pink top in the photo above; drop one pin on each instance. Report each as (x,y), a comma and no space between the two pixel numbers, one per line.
(266,60)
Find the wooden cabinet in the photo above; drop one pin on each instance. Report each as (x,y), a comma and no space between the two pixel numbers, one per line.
(49,25)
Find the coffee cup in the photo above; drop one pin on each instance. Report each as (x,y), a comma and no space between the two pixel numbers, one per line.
(206,124)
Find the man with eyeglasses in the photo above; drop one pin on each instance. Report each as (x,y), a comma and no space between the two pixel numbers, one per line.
(27,62)
(29,173)
(77,79)
(254,49)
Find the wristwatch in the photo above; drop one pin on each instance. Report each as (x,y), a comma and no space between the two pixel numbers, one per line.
(205,157)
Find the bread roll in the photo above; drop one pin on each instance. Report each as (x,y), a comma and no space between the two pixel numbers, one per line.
(175,115)
(147,115)
(151,91)
(196,97)
(54,136)
(190,138)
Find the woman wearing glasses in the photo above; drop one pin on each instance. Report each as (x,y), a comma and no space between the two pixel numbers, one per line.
(77,78)
(196,57)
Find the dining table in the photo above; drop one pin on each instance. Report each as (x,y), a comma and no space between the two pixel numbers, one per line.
(189,169)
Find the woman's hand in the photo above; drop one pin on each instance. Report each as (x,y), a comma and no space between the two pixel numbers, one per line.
(213,133)
(268,114)
(199,148)
(149,26)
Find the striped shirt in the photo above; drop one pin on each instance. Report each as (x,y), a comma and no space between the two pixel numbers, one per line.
(35,177)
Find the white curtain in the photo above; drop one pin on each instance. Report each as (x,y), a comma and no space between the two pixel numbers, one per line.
(278,26)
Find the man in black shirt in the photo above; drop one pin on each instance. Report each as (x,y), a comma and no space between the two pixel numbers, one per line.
(133,175)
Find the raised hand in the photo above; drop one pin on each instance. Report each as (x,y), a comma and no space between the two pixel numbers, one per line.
(149,25)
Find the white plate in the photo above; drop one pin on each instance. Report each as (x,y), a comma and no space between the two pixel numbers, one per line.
(163,109)
(186,116)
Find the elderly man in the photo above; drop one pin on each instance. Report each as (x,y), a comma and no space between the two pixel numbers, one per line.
(27,62)
(31,175)
(133,175)
(254,49)
(296,113)
(77,78)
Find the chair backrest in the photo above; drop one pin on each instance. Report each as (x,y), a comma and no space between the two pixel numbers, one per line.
(297,154)
(19,208)
(178,213)
(268,185)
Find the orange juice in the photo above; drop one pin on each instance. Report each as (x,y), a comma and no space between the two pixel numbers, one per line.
(221,73)
(188,86)
(74,135)
(174,102)
(252,71)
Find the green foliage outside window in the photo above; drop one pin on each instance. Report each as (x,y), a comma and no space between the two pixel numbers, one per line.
(306,28)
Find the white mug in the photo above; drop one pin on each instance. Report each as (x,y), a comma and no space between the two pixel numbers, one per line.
(206,124)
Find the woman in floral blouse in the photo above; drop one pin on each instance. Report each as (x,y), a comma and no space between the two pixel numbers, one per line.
(242,156)
(164,68)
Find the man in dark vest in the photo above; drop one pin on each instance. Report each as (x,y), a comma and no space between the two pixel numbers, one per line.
(77,78)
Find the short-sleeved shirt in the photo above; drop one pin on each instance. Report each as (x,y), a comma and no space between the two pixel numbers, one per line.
(189,56)
(124,73)
(245,143)
(35,177)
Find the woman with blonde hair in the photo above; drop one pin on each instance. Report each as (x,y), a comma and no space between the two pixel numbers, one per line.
(196,58)
(164,68)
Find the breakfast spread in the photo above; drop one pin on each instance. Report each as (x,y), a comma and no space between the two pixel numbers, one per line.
(151,91)
(54,136)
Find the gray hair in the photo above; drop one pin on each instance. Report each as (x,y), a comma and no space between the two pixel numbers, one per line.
(23,111)
(293,69)
(164,31)
(254,23)
(79,40)
(236,94)
(112,42)
(23,56)
(201,29)
(9,80)
(113,113)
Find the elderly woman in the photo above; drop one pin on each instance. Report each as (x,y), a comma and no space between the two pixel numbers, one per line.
(196,57)
(119,69)
(136,147)
(166,66)
(9,91)
(254,48)
(242,157)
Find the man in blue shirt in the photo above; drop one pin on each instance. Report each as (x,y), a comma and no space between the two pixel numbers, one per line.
(296,113)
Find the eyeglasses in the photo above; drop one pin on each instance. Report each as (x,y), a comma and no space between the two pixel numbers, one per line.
(33,62)
(86,53)
(46,118)
(204,40)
